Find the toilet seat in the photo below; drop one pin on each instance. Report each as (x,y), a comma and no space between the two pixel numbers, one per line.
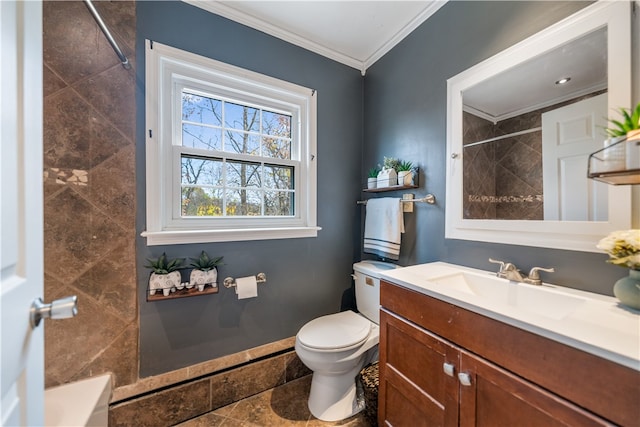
(339,331)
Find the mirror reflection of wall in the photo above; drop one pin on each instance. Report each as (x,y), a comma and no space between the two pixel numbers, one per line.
(503,170)
(503,176)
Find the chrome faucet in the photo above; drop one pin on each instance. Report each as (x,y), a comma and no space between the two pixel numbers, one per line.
(534,276)
(510,272)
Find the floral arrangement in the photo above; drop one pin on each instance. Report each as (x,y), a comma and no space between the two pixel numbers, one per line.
(623,248)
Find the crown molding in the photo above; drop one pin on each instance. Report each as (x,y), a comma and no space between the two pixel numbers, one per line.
(404,32)
(275,31)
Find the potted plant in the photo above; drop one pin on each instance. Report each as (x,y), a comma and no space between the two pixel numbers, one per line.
(388,176)
(205,271)
(628,128)
(165,275)
(372,177)
(405,173)
(391,163)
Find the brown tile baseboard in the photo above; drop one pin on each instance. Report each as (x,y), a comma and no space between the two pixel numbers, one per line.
(179,395)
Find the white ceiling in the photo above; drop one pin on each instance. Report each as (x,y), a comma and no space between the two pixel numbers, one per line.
(531,85)
(355,33)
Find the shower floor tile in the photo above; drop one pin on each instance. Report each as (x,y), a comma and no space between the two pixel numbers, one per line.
(284,406)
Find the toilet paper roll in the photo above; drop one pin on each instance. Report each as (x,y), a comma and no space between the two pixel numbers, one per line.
(247,287)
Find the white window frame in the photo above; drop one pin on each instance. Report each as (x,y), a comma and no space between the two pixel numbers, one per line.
(168,70)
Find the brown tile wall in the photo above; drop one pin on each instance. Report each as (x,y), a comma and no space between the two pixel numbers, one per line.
(182,401)
(89,184)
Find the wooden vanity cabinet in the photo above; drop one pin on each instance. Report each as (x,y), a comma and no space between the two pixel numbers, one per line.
(426,343)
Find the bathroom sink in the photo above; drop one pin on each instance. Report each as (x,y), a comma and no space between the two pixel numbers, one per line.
(539,300)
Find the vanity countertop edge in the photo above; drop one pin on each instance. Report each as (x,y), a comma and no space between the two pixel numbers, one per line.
(600,327)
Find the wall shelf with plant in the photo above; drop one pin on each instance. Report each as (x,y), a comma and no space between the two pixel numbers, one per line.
(618,163)
(165,281)
(393,175)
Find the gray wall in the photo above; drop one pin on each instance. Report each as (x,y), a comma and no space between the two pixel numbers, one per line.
(306,277)
(405,116)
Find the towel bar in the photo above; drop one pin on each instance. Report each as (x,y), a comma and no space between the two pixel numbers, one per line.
(429,198)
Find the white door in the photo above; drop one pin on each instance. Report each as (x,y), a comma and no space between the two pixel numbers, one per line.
(21,253)
(569,135)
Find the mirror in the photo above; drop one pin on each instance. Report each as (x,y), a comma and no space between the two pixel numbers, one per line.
(518,139)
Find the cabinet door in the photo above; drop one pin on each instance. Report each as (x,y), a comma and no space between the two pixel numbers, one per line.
(414,389)
(495,397)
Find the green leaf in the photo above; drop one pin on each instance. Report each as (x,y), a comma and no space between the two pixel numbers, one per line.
(635,118)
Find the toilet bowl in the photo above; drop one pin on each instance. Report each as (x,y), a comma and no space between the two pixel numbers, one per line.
(337,346)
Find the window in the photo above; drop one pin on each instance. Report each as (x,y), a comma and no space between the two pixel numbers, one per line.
(230,153)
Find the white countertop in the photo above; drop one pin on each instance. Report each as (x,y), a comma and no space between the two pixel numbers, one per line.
(599,325)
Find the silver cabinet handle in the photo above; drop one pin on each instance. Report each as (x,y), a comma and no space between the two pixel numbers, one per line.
(62,308)
(465,379)
(448,368)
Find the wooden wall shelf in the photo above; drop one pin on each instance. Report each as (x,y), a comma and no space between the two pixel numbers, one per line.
(181,293)
(392,188)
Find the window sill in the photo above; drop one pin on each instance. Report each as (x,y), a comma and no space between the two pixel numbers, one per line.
(175,237)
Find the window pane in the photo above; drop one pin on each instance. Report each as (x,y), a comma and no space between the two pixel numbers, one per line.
(241,142)
(241,117)
(244,202)
(276,124)
(201,137)
(276,148)
(201,171)
(241,174)
(200,109)
(280,177)
(278,203)
(198,201)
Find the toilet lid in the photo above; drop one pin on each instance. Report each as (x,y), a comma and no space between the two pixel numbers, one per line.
(335,331)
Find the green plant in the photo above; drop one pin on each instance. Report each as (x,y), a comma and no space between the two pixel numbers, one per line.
(631,122)
(163,265)
(205,263)
(391,163)
(405,166)
(373,172)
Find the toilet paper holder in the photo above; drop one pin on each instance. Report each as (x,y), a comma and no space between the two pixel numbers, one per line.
(230,282)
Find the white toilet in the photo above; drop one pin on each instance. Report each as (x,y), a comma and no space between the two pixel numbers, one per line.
(337,346)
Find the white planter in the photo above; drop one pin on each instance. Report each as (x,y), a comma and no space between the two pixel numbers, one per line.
(371,182)
(167,283)
(633,149)
(405,178)
(387,178)
(615,156)
(201,278)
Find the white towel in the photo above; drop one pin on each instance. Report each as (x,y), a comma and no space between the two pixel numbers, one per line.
(383,226)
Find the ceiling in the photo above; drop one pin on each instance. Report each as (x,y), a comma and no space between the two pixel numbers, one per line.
(355,33)
(531,85)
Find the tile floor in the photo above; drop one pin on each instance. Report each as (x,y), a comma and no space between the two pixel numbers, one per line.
(284,406)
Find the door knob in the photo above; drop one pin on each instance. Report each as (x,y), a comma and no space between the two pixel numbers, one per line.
(62,308)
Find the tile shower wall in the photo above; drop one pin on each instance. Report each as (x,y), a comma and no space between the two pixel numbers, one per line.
(503,178)
(89,187)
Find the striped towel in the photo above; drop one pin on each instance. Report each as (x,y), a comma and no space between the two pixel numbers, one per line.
(383,226)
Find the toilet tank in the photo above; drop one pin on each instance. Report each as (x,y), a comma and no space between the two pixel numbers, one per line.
(367,277)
